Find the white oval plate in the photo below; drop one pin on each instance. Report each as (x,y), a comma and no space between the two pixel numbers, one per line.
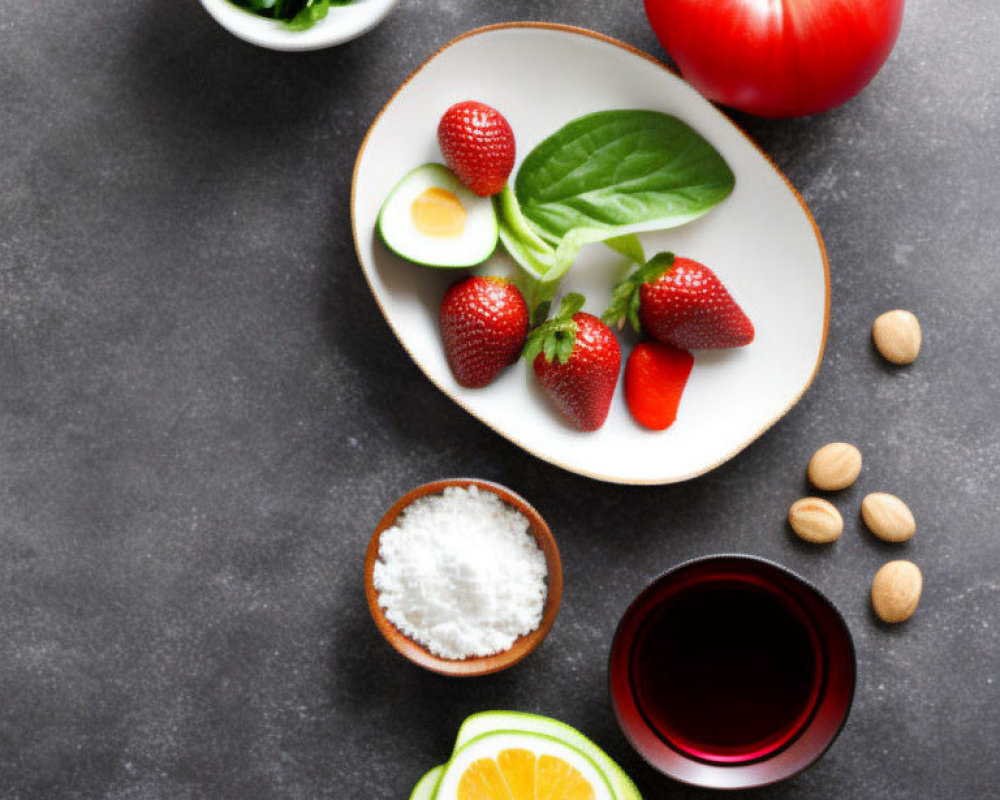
(340,25)
(761,241)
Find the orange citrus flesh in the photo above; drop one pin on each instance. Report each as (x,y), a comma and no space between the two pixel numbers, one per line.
(439,213)
(518,775)
(518,770)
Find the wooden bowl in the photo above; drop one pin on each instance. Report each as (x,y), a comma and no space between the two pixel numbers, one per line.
(474,665)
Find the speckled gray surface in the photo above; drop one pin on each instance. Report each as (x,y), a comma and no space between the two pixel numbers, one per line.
(203,415)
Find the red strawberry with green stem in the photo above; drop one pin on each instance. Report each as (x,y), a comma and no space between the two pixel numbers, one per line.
(576,359)
(484,324)
(478,146)
(682,303)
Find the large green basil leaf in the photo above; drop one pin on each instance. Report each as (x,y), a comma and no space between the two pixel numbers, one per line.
(535,255)
(604,178)
(618,172)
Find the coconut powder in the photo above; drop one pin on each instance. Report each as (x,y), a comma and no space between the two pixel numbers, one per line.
(461,574)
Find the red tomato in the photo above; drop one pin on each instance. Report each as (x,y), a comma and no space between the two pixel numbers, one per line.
(777,58)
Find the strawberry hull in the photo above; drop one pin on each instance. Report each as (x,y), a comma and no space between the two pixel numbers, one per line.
(583,387)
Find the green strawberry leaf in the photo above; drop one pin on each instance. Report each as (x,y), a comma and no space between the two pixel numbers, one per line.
(633,312)
(556,338)
(565,349)
(531,349)
(571,304)
(624,304)
(549,347)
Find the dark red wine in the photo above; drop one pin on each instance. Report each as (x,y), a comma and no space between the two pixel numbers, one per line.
(727,669)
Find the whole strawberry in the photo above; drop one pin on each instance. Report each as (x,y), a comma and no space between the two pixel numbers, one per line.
(576,359)
(478,145)
(484,324)
(682,303)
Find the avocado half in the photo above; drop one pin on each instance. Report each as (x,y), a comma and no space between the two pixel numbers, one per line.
(399,231)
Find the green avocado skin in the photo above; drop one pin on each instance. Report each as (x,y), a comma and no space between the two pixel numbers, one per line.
(445,178)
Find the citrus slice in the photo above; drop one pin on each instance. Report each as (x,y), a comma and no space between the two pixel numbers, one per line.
(516,765)
(424,790)
(488,721)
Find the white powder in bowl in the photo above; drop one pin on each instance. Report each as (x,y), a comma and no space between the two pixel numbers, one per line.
(461,574)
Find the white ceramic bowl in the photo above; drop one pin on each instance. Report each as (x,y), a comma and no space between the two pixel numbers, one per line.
(761,241)
(342,24)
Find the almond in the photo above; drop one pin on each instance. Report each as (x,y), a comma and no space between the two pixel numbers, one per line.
(896,591)
(834,466)
(888,517)
(897,336)
(815,520)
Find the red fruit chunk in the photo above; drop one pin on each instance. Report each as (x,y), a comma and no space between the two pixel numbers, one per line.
(655,377)
(484,324)
(478,146)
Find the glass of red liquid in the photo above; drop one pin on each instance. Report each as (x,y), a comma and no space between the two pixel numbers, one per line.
(731,672)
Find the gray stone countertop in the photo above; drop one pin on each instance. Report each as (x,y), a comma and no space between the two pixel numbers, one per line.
(203,415)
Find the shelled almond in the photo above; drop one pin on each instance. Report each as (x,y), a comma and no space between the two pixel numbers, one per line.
(816,520)
(888,517)
(834,466)
(897,336)
(896,591)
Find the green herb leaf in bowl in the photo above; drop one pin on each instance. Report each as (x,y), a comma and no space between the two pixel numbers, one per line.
(297,15)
